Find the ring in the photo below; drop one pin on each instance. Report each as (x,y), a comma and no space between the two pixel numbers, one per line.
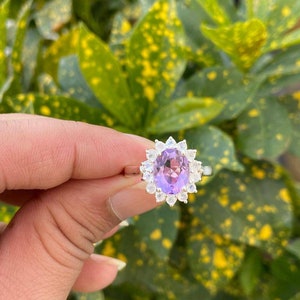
(171,171)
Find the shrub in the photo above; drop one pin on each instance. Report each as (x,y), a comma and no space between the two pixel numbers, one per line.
(224,75)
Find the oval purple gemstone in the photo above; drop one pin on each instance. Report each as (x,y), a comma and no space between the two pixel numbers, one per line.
(171,171)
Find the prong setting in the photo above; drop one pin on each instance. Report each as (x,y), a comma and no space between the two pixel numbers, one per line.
(176,164)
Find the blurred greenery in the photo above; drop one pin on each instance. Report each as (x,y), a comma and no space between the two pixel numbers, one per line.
(225,76)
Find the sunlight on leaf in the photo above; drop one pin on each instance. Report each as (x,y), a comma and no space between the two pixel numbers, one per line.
(215,11)
(242,41)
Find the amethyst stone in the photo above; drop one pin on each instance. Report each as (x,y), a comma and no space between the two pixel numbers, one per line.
(171,171)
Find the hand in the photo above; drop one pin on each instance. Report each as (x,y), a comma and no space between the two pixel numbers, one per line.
(69,181)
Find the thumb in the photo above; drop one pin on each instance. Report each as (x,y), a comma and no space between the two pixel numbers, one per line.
(45,246)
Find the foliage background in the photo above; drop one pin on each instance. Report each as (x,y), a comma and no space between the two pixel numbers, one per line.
(224,75)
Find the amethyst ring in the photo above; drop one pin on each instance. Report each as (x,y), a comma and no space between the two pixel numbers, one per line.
(171,171)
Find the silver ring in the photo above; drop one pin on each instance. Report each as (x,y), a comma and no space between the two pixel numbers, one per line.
(171,171)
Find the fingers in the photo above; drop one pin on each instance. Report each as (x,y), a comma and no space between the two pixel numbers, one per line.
(2,227)
(132,201)
(52,236)
(19,197)
(49,152)
(98,272)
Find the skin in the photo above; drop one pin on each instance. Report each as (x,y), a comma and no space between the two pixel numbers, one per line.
(72,184)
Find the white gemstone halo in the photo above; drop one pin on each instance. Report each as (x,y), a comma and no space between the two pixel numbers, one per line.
(171,171)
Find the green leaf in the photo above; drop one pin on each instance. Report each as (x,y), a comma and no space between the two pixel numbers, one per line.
(294,247)
(46,85)
(5,88)
(279,17)
(72,82)
(154,55)
(226,85)
(30,54)
(98,15)
(56,106)
(213,259)
(104,76)
(65,45)
(215,11)
(16,56)
(282,63)
(147,271)
(250,272)
(198,49)
(242,41)
(161,234)
(4,9)
(120,34)
(7,212)
(264,129)
(183,114)
(52,17)
(281,72)
(215,148)
(285,272)
(253,208)
(87,296)
(292,104)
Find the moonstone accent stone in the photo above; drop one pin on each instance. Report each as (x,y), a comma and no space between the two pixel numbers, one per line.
(171,171)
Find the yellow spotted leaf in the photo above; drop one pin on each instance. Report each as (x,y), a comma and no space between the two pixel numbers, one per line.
(242,41)
(280,71)
(16,56)
(52,17)
(155,60)
(65,45)
(4,7)
(214,260)
(147,270)
(279,17)
(292,104)
(7,212)
(264,129)
(215,11)
(253,208)
(184,113)
(214,148)
(72,82)
(56,106)
(160,234)
(226,85)
(106,79)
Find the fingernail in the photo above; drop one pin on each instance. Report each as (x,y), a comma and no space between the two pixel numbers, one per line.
(97,243)
(123,224)
(110,260)
(131,202)
(125,206)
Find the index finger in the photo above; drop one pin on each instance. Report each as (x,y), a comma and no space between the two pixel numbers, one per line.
(40,153)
